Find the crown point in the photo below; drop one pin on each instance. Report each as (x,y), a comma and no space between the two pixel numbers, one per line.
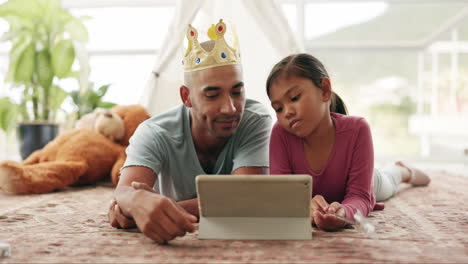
(198,58)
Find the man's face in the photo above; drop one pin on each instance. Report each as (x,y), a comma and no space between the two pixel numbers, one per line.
(217,99)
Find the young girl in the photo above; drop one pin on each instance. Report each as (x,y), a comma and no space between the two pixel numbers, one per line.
(313,135)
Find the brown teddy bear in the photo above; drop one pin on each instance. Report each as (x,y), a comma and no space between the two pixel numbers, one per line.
(81,156)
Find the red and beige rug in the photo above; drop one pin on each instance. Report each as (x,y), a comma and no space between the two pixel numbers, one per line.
(419,225)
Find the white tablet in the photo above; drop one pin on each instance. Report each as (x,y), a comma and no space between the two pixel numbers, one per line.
(254,206)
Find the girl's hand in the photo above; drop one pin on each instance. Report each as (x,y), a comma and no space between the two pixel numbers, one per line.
(329,222)
(317,204)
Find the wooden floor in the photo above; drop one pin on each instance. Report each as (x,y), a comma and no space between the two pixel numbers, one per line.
(419,225)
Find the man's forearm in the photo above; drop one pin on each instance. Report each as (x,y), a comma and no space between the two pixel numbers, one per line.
(190,206)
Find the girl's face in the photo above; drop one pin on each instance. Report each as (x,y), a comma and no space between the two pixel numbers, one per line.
(300,106)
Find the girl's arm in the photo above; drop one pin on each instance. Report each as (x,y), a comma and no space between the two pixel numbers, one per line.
(359,193)
(279,154)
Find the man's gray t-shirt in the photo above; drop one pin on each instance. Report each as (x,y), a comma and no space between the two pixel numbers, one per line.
(164,144)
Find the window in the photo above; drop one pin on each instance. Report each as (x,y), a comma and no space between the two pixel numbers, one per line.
(123,42)
(394,62)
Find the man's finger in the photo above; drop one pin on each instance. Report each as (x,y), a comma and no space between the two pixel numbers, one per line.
(112,203)
(142,186)
(190,217)
(112,220)
(160,230)
(123,221)
(170,226)
(181,217)
(153,234)
(111,215)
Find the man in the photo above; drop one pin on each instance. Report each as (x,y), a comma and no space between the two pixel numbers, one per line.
(215,131)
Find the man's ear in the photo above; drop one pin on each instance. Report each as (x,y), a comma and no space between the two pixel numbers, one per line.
(184,96)
(326,89)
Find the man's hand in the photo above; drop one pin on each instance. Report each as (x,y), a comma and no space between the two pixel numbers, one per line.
(318,209)
(159,217)
(116,216)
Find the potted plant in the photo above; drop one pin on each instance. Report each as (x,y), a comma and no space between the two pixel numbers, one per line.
(45,41)
(87,100)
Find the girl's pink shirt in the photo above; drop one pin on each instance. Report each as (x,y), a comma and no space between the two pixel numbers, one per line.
(348,174)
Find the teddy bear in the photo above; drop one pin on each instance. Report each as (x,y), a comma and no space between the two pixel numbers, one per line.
(84,155)
(105,122)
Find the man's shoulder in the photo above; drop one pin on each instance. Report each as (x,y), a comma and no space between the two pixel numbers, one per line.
(169,122)
(256,119)
(255,109)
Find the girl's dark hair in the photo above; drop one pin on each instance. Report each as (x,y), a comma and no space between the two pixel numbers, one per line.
(305,66)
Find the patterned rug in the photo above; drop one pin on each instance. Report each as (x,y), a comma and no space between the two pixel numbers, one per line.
(419,225)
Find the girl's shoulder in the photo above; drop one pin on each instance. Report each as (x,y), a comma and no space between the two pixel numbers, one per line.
(346,122)
(278,131)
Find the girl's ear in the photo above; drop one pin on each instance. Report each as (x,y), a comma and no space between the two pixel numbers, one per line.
(326,89)
(184,95)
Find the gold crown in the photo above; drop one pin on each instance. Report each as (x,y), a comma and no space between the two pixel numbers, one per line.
(197,58)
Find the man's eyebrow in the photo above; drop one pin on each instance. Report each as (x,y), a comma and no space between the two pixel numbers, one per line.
(240,84)
(211,88)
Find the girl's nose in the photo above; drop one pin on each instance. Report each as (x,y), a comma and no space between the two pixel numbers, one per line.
(290,111)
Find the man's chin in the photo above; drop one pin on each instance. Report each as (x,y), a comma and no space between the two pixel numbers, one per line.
(226,133)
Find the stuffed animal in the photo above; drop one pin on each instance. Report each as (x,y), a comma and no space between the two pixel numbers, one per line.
(105,122)
(82,156)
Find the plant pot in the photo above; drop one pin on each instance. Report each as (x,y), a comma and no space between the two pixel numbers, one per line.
(34,136)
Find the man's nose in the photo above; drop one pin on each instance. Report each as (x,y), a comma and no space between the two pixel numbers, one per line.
(228,106)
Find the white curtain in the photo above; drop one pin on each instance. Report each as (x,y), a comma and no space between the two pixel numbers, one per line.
(264,38)
(163,78)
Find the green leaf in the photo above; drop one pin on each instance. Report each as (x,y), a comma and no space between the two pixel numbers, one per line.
(73,74)
(25,67)
(50,7)
(8,114)
(103,90)
(44,68)
(57,96)
(63,55)
(77,30)
(10,35)
(24,8)
(75,95)
(106,105)
(19,24)
(15,54)
(93,99)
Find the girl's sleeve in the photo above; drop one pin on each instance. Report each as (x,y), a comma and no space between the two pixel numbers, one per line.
(359,190)
(279,154)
